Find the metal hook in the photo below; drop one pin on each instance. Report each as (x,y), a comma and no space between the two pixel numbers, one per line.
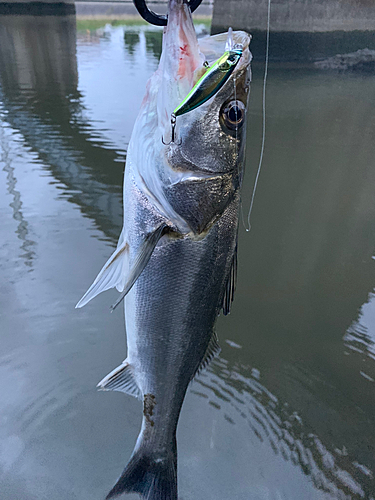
(157,19)
(173,133)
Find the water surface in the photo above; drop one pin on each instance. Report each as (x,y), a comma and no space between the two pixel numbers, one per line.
(288,410)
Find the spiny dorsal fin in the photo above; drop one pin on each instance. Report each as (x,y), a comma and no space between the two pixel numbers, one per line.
(121,379)
(231,284)
(213,349)
(141,259)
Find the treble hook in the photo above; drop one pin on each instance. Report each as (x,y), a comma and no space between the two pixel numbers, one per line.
(157,19)
(173,133)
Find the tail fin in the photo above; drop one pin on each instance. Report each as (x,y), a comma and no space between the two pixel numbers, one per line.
(153,477)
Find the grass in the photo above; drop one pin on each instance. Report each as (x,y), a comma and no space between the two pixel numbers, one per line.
(94,24)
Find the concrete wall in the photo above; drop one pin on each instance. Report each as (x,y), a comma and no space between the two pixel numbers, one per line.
(301,30)
(39,2)
(37,7)
(296,15)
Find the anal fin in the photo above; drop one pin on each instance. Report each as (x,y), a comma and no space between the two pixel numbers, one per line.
(213,350)
(121,379)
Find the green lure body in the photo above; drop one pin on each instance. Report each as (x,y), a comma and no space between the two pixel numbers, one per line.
(211,82)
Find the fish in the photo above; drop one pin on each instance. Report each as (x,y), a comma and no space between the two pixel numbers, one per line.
(175,264)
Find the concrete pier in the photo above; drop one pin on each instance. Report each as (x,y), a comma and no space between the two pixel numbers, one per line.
(296,15)
(300,29)
(37,7)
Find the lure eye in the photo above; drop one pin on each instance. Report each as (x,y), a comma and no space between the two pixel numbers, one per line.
(233,114)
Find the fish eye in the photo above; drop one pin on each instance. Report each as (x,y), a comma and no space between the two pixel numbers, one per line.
(233,114)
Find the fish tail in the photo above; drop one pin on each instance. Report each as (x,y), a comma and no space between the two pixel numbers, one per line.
(152,476)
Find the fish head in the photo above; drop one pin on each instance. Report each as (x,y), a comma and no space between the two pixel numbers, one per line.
(211,138)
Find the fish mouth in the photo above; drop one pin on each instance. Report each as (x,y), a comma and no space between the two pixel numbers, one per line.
(180,60)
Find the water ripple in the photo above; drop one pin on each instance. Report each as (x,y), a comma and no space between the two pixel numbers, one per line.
(237,394)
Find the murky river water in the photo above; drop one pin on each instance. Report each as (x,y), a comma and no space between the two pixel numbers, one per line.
(288,410)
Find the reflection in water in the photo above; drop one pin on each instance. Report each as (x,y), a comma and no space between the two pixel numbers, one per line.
(23,226)
(41,98)
(153,43)
(304,310)
(33,43)
(131,39)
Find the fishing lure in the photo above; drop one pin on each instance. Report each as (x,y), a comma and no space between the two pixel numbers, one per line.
(208,85)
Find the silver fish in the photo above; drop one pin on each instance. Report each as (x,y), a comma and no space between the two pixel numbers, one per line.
(176,256)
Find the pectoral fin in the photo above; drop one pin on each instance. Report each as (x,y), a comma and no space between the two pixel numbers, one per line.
(111,275)
(142,259)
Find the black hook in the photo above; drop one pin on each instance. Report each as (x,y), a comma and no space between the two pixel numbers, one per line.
(157,19)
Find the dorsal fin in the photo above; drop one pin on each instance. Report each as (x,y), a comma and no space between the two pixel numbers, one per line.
(231,284)
(213,349)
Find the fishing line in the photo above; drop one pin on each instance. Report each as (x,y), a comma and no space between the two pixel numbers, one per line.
(229,46)
(263,118)
(236,115)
